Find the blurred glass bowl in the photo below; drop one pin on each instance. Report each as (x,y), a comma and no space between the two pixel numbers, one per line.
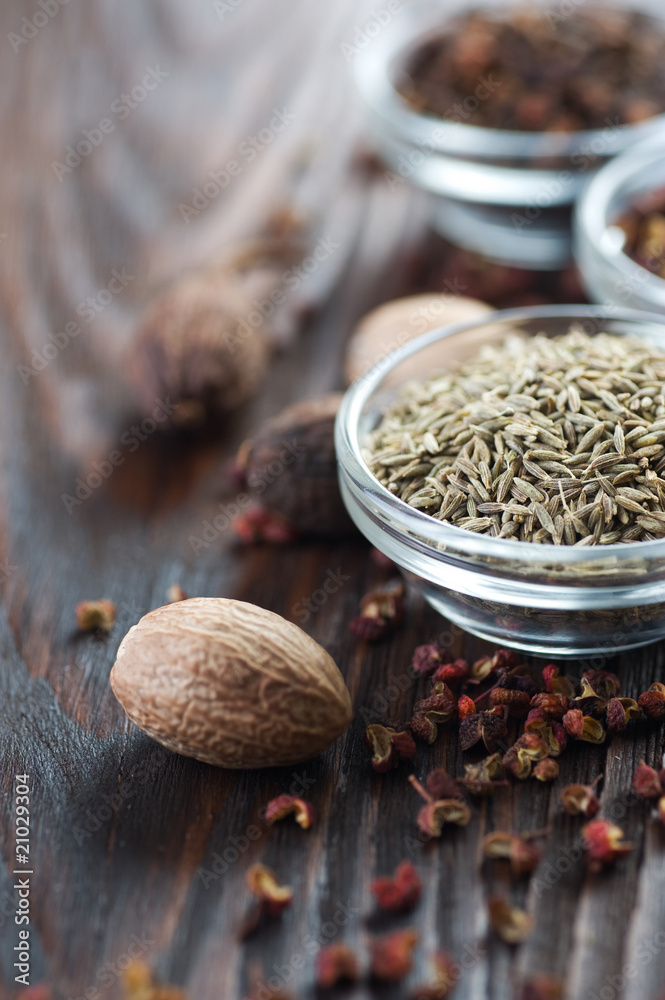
(506,195)
(547,600)
(608,273)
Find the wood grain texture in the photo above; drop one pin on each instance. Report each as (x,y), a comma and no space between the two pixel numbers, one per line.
(124,831)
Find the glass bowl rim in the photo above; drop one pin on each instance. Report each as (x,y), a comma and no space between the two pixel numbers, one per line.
(424,527)
(373,77)
(591,211)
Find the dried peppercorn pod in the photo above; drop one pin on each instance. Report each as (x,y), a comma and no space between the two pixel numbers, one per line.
(290,466)
(336,963)
(391,956)
(604,843)
(452,673)
(647,782)
(581,800)
(516,701)
(619,713)
(400,892)
(652,702)
(381,611)
(388,746)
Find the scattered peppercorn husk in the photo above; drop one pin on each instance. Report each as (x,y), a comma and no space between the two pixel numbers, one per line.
(542,988)
(647,782)
(438,812)
(581,800)
(490,727)
(381,611)
(95,615)
(440,785)
(138,984)
(289,805)
(391,956)
(336,963)
(512,924)
(273,897)
(399,892)
(652,702)
(388,746)
(604,844)
(482,778)
(395,323)
(289,465)
(175,593)
(524,856)
(546,770)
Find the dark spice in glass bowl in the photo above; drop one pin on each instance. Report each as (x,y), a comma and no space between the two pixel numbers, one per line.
(644,226)
(538,70)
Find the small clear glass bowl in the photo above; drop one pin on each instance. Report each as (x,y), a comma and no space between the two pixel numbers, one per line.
(504,194)
(608,273)
(545,599)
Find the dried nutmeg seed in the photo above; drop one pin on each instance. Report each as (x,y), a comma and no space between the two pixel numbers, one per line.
(230,684)
(290,464)
(195,349)
(397,322)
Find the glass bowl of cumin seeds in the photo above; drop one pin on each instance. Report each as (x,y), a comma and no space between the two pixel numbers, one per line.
(514,468)
(502,111)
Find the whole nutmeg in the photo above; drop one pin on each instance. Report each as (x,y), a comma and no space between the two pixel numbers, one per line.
(196,347)
(290,467)
(230,684)
(395,323)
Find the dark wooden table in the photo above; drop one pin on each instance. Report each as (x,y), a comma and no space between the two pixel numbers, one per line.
(126,837)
